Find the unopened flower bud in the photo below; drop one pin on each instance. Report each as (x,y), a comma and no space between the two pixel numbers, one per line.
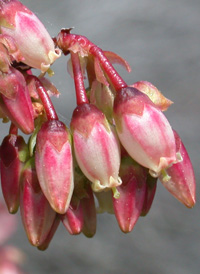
(179,178)
(15,100)
(143,130)
(50,235)
(37,215)
(73,219)
(96,147)
(13,153)
(128,206)
(35,46)
(54,164)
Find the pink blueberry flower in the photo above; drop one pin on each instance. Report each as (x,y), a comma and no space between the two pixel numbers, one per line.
(96,147)
(54,164)
(34,44)
(143,130)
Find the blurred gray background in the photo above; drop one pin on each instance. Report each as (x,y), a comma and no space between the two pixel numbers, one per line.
(161,41)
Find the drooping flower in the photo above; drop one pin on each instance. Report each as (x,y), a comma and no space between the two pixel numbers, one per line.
(132,191)
(54,164)
(34,44)
(15,101)
(13,153)
(179,178)
(143,130)
(81,214)
(96,147)
(37,215)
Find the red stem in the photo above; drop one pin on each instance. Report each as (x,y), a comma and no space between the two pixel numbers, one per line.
(13,129)
(113,75)
(46,101)
(81,97)
(66,40)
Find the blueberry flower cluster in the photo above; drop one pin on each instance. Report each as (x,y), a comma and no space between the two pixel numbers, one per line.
(117,145)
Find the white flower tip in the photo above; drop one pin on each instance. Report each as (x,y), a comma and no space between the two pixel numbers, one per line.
(98,186)
(44,68)
(113,183)
(165,162)
(52,55)
(154,173)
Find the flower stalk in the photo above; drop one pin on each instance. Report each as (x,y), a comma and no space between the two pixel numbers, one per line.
(81,96)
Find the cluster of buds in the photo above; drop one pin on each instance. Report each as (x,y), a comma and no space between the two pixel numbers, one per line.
(108,159)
